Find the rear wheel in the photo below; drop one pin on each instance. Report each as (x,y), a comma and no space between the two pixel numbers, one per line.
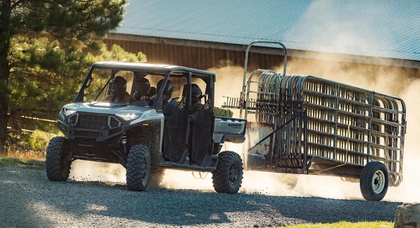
(138,168)
(58,159)
(227,178)
(374,181)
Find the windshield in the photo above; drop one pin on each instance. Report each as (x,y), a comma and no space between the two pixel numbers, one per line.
(125,86)
(105,84)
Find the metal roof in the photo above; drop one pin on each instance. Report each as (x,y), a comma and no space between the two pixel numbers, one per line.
(377,28)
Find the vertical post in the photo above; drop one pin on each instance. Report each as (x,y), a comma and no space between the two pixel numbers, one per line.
(244,87)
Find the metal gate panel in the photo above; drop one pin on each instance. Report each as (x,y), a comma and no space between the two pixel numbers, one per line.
(345,124)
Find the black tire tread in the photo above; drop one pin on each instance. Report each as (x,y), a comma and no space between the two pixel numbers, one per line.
(138,158)
(56,149)
(221,182)
(366,181)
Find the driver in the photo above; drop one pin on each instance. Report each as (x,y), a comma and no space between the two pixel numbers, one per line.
(118,87)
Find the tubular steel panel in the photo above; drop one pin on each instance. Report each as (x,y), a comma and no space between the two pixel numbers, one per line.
(319,126)
(344,125)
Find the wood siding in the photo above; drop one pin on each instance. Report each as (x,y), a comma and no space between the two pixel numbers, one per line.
(301,63)
(196,57)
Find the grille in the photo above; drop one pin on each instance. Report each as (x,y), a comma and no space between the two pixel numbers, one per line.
(73,119)
(114,122)
(93,122)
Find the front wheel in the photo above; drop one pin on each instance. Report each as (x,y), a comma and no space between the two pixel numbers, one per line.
(58,159)
(138,168)
(227,178)
(374,181)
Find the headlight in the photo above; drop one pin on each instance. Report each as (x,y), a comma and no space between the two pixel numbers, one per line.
(68,112)
(129,116)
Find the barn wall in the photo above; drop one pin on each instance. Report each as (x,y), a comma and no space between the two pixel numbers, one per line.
(206,58)
(195,57)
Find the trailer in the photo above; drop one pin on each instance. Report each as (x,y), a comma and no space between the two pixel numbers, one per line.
(305,124)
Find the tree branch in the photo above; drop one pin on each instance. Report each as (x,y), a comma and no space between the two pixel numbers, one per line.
(16,4)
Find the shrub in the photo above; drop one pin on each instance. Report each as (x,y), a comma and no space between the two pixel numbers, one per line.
(222,112)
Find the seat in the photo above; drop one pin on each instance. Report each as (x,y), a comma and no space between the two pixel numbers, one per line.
(175,135)
(201,135)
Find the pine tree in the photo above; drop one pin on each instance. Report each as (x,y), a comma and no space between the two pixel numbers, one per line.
(43,46)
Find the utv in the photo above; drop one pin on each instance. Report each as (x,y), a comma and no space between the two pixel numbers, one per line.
(172,126)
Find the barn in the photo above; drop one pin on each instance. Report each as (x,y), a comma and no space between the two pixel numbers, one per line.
(369,40)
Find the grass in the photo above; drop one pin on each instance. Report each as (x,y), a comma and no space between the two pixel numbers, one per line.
(24,159)
(23,163)
(378,224)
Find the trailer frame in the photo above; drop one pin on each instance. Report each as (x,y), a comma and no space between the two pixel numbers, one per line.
(313,125)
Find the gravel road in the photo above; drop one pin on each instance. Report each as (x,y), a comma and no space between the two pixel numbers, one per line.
(28,199)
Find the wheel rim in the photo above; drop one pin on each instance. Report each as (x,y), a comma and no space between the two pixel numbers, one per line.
(378,182)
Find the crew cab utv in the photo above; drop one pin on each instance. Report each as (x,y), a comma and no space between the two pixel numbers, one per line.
(141,136)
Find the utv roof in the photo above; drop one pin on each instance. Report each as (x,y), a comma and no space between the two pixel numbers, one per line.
(147,67)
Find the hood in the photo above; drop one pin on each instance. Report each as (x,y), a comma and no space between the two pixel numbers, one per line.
(106,108)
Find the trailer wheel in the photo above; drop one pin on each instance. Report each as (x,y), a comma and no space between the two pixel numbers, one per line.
(374,181)
(227,178)
(138,168)
(58,159)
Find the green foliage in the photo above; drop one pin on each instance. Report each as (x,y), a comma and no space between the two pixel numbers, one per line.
(69,22)
(52,45)
(43,74)
(222,112)
(37,140)
(31,141)
(117,54)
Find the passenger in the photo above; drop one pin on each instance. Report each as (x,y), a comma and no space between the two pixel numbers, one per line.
(196,96)
(200,127)
(152,91)
(169,104)
(141,95)
(142,89)
(118,86)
